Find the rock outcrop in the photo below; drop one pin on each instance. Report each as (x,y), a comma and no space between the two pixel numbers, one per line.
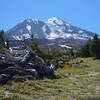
(30,64)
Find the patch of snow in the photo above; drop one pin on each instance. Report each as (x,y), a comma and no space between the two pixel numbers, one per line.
(10,49)
(27,36)
(68,35)
(63,35)
(28,21)
(52,66)
(81,37)
(80,31)
(5,43)
(53,36)
(56,26)
(44,30)
(70,30)
(35,21)
(54,21)
(36,35)
(60,30)
(68,25)
(58,21)
(65,46)
(84,35)
(16,37)
(28,28)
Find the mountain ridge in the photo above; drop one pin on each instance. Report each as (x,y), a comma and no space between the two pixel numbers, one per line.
(52,28)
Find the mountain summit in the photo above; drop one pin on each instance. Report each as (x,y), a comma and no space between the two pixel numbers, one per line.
(53,28)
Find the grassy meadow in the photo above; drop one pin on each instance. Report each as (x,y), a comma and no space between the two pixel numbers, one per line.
(74,83)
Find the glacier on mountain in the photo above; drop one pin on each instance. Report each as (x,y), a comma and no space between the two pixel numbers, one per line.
(52,28)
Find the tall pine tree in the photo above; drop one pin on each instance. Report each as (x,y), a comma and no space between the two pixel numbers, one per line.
(2,39)
(95,47)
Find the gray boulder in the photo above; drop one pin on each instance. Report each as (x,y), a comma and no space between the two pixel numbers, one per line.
(9,70)
(49,70)
(4,78)
(81,61)
(32,72)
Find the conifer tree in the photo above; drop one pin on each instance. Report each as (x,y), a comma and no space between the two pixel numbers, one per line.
(95,47)
(32,38)
(92,48)
(2,39)
(7,46)
(72,53)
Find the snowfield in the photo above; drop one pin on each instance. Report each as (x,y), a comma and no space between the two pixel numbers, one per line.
(52,28)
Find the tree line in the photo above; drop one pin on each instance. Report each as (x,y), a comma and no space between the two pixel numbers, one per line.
(92,48)
(4,42)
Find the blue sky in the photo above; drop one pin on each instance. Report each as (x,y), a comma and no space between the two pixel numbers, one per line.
(82,13)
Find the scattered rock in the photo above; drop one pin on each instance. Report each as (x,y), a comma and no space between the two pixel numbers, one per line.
(30,64)
(4,78)
(69,73)
(77,63)
(59,90)
(32,72)
(8,70)
(81,61)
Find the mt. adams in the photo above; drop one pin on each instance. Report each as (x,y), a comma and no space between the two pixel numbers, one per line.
(51,29)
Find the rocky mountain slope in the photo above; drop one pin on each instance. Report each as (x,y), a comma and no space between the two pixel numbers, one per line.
(51,29)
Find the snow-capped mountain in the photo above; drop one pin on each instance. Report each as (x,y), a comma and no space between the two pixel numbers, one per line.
(53,28)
